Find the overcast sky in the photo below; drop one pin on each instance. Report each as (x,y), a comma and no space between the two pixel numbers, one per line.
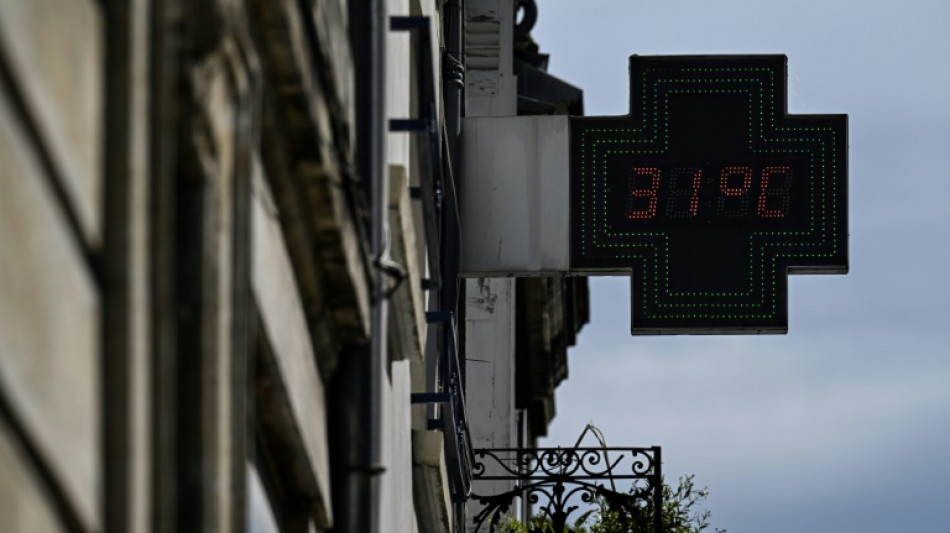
(843,425)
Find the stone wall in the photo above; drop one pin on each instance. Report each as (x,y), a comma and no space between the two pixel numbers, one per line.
(184,261)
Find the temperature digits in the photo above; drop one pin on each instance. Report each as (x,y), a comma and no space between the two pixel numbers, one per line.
(735,192)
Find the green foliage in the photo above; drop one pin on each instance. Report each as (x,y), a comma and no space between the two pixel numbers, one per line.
(681,512)
(541,524)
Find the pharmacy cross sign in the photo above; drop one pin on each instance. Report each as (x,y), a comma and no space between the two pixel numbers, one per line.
(710,193)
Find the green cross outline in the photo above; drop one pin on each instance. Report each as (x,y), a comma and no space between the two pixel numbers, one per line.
(772,253)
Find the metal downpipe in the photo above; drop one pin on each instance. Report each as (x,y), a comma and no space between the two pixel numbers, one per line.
(356,386)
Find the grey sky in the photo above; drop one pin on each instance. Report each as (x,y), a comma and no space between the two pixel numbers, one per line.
(844,423)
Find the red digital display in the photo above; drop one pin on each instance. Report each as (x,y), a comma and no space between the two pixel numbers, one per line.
(725,194)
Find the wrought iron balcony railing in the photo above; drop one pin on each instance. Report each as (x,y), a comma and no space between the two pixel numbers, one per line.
(553,478)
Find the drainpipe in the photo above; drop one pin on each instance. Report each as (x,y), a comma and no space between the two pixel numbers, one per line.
(371,75)
(356,386)
(379,233)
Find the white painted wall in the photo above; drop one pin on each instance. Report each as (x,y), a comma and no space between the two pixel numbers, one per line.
(490,90)
(490,362)
(396,506)
(490,86)
(490,372)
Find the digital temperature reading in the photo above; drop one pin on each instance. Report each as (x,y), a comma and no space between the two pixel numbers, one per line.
(710,193)
(736,193)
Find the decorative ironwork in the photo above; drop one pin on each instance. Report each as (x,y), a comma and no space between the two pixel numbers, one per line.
(551,478)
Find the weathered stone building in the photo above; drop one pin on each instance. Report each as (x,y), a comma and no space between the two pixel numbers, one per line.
(229,285)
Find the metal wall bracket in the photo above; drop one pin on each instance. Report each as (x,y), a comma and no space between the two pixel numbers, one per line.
(430,397)
(426,125)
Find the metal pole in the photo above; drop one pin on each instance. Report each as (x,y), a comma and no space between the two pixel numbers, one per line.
(379,194)
(358,385)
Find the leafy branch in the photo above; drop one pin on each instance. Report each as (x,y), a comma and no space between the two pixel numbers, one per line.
(681,512)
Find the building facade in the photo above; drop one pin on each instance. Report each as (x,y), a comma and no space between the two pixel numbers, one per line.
(230,296)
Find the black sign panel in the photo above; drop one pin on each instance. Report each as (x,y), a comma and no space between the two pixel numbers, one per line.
(710,193)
